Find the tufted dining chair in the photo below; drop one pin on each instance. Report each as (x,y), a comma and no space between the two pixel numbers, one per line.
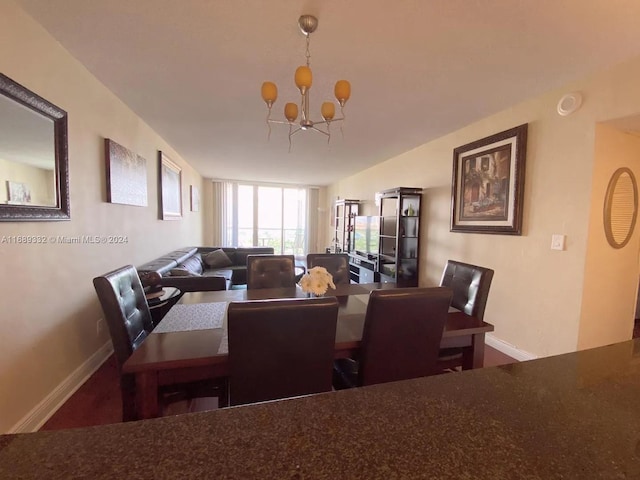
(400,338)
(280,348)
(337,264)
(128,318)
(470,285)
(270,271)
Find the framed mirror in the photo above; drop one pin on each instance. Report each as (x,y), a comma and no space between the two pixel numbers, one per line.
(34,163)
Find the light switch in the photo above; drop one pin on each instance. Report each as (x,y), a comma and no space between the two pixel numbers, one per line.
(557,242)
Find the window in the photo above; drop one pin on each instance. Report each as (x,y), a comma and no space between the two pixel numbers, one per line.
(267,216)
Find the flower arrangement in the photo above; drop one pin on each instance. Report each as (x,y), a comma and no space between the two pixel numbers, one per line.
(317,281)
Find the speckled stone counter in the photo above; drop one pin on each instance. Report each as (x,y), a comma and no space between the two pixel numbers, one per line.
(574,416)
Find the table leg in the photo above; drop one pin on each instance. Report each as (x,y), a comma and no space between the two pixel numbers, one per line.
(473,356)
(147,395)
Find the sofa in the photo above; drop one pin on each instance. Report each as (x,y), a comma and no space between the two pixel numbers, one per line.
(195,269)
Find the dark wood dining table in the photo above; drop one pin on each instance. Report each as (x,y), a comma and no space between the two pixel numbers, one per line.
(198,354)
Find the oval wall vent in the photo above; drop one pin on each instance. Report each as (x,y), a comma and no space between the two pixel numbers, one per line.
(620,207)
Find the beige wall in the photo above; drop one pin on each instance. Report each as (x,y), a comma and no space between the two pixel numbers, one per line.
(610,273)
(48,306)
(536,296)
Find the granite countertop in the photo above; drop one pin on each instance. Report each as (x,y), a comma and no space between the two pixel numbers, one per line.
(574,416)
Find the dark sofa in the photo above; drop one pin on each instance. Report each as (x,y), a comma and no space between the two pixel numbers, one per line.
(195,269)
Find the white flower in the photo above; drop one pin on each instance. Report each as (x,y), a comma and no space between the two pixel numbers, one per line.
(317,281)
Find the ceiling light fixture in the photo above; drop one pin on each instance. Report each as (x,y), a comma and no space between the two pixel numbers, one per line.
(303,79)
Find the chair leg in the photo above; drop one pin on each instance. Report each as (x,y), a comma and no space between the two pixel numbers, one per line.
(223,393)
(128,406)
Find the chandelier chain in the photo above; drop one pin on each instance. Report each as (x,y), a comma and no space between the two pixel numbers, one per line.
(308,53)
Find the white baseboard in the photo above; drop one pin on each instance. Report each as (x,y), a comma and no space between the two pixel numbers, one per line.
(37,417)
(508,349)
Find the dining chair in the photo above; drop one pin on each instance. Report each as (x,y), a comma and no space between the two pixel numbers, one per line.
(470,285)
(280,348)
(400,339)
(128,318)
(337,264)
(270,271)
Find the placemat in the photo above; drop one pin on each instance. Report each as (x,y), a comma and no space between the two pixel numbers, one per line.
(223,349)
(195,316)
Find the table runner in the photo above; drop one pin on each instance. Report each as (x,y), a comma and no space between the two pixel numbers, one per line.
(195,316)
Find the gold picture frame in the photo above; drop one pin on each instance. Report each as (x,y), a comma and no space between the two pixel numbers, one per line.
(169,188)
(194,194)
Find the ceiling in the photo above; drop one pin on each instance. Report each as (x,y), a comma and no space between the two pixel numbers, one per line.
(192,69)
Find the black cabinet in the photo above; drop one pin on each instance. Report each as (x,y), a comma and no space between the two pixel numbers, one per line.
(399,248)
(345,214)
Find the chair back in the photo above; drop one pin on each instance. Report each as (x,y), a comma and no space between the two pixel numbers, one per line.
(337,264)
(402,334)
(280,348)
(270,271)
(125,310)
(470,285)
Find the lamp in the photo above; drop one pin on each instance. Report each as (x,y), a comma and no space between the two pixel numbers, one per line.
(304,79)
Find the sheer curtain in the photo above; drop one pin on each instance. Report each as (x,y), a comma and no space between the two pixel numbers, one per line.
(221,221)
(225,214)
(313,194)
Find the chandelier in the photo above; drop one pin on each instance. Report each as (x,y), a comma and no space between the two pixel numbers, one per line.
(303,79)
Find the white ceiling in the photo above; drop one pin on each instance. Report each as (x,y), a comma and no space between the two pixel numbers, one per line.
(192,69)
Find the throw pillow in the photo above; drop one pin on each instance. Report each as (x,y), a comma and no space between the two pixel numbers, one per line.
(217,259)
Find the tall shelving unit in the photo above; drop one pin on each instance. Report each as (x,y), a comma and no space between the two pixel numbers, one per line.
(399,251)
(345,213)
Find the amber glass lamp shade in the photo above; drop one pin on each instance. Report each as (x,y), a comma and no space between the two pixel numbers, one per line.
(303,78)
(269,92)
(328,110)
(342,91)
(291,111)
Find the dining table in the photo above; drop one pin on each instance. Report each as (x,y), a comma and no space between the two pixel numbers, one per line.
(190,343)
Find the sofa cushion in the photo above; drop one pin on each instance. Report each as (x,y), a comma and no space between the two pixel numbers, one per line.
(217,259)
(182,254)
(182,272)
(219,272)
(160,265)
(193,264)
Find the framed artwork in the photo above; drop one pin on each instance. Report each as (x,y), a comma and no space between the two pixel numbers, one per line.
(194,194)
(170,188)
(18,193)
(488,184)
(126,175)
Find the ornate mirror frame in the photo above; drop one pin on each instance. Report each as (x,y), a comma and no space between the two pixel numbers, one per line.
(60,211)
